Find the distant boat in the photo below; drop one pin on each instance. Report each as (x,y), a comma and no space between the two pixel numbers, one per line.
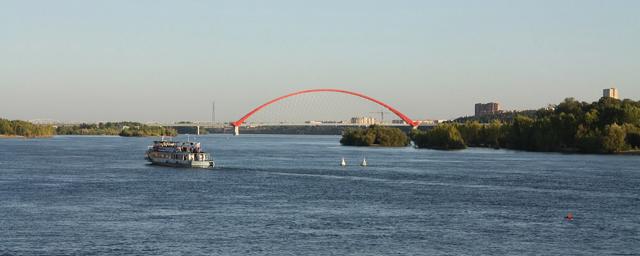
(364,162)
(343,163)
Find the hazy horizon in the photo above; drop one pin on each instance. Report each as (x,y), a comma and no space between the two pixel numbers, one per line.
(167,60)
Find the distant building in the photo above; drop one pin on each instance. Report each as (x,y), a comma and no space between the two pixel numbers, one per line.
(610,93)
(487,109)
(363,120)
(316,122)
(431,121)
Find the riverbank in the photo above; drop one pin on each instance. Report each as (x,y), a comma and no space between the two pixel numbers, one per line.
(124,129)
(24,137)
(630,153)
(10,137)
(375,135)
(9,128)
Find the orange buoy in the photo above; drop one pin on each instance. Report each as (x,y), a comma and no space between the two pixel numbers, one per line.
(569,216)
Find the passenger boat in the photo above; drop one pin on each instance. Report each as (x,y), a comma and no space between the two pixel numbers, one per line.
(179,154)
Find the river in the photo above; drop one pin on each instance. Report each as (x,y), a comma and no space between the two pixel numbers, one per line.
(287,195)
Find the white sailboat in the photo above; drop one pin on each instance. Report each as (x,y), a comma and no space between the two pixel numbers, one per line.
(364,162)
(343,163)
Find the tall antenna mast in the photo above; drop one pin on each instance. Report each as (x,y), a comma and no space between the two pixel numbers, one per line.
(213,112)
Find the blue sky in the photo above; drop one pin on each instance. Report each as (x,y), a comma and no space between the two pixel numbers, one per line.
(133,60)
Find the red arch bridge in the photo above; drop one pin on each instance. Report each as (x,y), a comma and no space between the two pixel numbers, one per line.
(402,116)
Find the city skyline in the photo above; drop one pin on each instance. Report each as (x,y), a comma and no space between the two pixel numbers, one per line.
(120,60)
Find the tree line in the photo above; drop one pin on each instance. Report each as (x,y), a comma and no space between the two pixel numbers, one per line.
(605,126)
(127,129)
(25,129)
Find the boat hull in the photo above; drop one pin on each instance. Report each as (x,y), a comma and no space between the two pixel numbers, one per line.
(181,163)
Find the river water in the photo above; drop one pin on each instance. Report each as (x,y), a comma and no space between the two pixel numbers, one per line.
(287,195)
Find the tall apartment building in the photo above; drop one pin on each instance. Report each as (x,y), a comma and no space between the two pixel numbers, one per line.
(610,93)
(487,109)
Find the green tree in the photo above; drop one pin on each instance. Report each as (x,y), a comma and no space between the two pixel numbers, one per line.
(613,139)
(521,132)
(633,139)
(442,137)
(493,134)
(6,128)
(471,132)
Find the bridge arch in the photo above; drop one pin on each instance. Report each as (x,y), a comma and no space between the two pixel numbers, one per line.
(402,116)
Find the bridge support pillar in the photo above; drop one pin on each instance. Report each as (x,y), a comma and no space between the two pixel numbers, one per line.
(236,130)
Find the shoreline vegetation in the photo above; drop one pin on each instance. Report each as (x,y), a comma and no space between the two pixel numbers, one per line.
(375,136)
(124,129)
(608,126)
(24,129)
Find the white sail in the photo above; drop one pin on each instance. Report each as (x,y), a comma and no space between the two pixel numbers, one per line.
(343,163)
(364,162)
